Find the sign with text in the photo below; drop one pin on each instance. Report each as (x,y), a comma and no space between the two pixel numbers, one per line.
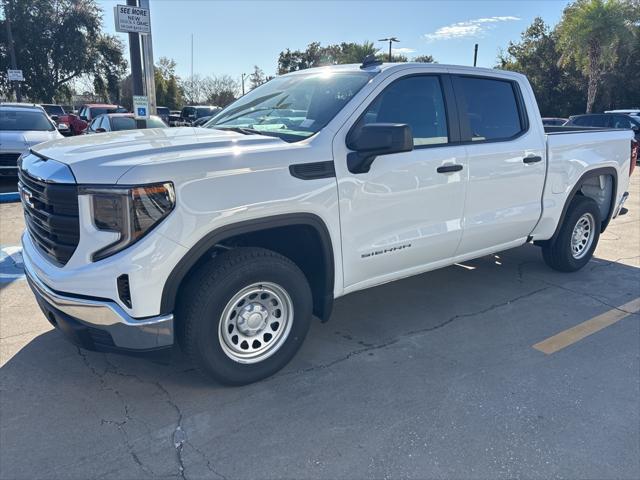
(15,75)
(132,19)
(140,107)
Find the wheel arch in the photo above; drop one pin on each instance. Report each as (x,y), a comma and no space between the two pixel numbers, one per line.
(582,181)
(322,290)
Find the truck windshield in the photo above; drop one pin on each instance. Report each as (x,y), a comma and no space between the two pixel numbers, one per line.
(291,107)
(18,120)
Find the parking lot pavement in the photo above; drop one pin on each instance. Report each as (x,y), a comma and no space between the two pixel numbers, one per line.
(430,377)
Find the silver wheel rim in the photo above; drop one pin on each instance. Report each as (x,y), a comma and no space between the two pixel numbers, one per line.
(256,322)
(582,236)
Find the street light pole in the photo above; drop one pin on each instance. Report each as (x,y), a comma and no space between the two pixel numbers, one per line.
(390,40)
(243,75)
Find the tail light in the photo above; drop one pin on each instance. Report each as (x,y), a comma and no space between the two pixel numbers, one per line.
(635,147)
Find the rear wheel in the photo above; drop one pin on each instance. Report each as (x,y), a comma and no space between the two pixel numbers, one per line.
(577,239)
(244,314)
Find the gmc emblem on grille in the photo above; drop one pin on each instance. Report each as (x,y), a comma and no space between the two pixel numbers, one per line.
(26,197)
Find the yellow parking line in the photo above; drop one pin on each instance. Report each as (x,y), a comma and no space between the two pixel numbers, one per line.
(574,334)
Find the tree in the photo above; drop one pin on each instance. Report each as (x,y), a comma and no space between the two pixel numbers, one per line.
(220,90)
(57,41)
(257,78)
(168,92)
(424,59)
(316,55)
(193,89)
(590,33)
(559,88)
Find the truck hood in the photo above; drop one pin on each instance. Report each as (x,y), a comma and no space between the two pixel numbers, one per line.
(22,141)
(103,158)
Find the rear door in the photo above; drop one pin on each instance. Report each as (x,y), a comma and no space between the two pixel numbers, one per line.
(506,162)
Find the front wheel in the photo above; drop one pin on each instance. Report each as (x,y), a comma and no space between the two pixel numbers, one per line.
(244,314)
(578,237)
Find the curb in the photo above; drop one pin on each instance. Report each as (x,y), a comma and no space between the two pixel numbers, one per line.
(10,197)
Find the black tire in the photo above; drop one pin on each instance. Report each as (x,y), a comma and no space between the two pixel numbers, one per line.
(209,290)
(557,253)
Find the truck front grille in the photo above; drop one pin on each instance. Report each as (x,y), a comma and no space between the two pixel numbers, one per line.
(51,216)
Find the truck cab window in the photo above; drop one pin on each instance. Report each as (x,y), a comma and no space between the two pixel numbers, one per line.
(416,101)
(489,107)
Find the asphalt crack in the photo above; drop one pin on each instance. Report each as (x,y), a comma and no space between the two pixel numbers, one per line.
(410,334)
(119,425)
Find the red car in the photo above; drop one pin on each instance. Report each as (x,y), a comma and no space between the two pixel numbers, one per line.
(78,123)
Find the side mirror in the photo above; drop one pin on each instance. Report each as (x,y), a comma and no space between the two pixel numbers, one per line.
(63,127)
(84,118)
(54,118)
(375,139)
(100,130)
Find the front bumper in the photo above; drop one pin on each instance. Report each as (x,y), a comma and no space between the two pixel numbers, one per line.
(100,324)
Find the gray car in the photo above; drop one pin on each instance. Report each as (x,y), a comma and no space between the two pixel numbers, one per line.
(21,127)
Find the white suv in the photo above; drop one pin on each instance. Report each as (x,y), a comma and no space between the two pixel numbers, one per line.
(314,185)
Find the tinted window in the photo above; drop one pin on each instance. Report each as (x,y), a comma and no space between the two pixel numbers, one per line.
(24,120)
(491,106)
(53,109)
(155,122)
(621,122)
(123,123)
(95,111)
(416,101)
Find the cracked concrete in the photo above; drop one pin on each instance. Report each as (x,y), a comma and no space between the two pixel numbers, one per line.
(433,376)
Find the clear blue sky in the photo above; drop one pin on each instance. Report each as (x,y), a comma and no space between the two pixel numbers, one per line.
(232,36)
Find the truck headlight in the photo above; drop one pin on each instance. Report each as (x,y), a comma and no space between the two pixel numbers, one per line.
(129,211)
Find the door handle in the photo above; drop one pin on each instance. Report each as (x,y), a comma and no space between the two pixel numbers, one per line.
(535,159)
(449,168)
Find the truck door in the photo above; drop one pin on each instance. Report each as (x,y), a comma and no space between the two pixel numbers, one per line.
(506,162)
(406,211)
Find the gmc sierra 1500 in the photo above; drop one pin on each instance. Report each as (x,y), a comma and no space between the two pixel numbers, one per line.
(228,238)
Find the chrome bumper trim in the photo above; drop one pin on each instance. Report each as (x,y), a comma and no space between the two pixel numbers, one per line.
(126,331)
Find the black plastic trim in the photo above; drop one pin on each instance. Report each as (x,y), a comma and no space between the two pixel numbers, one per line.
(313,171)
(180,271)
(591,173)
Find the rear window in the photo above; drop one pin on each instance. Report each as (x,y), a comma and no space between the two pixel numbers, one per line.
(490,108)
(53,110)
(122,123)
(24,120)
(95,111)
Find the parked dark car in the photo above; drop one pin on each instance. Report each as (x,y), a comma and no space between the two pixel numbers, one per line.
(115,122)
(191,113)
(553,121)
(201,121)
(54,111)
(606,120)
(175,119)
(163,113)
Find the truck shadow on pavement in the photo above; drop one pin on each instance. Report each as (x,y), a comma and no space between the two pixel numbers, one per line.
(421,335)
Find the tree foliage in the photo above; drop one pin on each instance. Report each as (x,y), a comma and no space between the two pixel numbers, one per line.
(559,89)
(57,41)
(218,90)
(168,92)
(560,70)
(591,33)
(256,78)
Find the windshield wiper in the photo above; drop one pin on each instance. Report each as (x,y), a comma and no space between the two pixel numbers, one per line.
(243,130)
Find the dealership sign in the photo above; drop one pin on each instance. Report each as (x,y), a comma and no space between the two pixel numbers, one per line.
(15,75)
(131,19)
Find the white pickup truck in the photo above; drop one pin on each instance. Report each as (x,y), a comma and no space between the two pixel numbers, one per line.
(228,239)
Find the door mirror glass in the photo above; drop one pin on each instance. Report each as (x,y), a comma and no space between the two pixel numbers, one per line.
(375,139)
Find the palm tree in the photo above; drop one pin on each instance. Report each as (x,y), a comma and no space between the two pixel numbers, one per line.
(590,33)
